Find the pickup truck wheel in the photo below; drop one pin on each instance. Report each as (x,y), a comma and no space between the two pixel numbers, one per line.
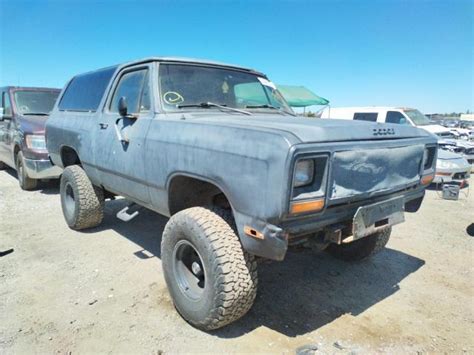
(211,279)
(82,203)
(362,248)
(26,183)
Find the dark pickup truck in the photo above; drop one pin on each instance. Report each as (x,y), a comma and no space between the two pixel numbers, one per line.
(217,148)
(23,115)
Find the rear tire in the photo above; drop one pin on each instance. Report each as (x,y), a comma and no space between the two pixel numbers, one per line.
(211,279)
(362,248)
(26,183)
(82,203)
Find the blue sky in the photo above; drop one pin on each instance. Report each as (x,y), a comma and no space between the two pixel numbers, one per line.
(412,53)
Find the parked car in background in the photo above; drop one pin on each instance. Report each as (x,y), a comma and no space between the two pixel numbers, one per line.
(451,123)
(23,115)
(451,167)
(217,148)
(462,133)
(397,115)
(452,139)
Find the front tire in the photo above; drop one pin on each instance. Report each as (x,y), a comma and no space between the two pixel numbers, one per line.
(82,203)
(361,249)
(211,279)
(26,183)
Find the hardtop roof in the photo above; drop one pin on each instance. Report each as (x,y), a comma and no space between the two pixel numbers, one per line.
(177,60)
(31,88)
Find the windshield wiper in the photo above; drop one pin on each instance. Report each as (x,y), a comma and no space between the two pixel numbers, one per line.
(35,114)
(211,104)
(269,106)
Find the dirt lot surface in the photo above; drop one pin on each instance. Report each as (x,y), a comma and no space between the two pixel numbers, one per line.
(103,290)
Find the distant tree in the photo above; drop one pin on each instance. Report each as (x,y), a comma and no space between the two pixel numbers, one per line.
(468,112)
(310,114)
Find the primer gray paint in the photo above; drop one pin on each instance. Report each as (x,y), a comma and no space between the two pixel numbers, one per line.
(249,158)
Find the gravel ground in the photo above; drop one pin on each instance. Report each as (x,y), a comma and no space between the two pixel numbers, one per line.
(103,290)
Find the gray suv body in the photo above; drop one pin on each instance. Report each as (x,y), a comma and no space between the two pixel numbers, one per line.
(194,140)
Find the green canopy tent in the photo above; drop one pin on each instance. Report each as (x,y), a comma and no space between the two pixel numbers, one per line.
(299,96)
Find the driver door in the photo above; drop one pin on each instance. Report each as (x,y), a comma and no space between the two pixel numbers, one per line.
(6,130)
(120,154)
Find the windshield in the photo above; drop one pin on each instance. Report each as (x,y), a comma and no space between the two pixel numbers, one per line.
(417,117)
(35,102)
(182,86)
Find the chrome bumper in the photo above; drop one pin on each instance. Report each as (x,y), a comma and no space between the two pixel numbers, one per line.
(453,177)
(41,169)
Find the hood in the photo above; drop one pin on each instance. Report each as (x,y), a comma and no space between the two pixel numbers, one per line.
(32,124)
(447,155)
(435,128)
(457,143)
(308,130)
(464,144)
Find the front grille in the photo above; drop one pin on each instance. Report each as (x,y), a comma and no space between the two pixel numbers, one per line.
(359,171)
(460,176)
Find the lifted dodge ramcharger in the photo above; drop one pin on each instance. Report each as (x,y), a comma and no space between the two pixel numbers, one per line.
(216,148)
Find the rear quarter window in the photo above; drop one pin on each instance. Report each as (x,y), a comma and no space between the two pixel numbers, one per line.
(366,116)
(85,92)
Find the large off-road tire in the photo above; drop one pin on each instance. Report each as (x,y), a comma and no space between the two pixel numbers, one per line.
(26,183)
(211,279)
(82,203)
(362,248)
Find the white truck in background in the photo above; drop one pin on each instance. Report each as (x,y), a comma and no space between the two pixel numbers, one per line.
(451,167)
(382,114)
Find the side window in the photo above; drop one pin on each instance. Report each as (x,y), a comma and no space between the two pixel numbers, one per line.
(395,117)
(85,91)
(135,87)
(366,116)
(7,107)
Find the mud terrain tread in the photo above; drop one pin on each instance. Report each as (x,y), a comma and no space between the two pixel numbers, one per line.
(235,270)
(90,198)
(361,249)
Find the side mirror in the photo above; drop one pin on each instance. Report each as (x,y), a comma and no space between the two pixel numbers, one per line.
(122,106)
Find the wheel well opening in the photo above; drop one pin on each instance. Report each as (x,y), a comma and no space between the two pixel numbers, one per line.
(69,157)
(185,192)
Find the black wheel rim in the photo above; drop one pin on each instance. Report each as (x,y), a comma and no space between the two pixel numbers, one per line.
(189,270)
(69,199)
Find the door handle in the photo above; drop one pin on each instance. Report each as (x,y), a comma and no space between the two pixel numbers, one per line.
(103,125)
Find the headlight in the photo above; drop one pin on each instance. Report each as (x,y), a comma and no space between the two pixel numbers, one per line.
(35,142)
(428,156)
(304,172)
(446,164)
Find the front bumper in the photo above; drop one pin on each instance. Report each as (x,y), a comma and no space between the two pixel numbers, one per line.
(451,175)
(41,169)
(273,243)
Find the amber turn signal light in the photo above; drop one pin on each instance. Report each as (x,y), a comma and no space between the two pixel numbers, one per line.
(307,206)
(427,179)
